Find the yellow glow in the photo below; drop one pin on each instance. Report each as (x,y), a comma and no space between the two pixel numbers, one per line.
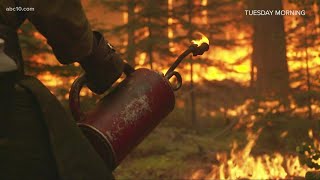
(203,39)
(204,13)
(125,17)
(170,30)
(284,134)
(141,60)
(310,133)
(50,80)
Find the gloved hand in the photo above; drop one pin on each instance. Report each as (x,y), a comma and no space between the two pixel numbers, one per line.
(103,66)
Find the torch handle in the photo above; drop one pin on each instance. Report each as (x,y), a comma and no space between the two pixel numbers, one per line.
(74,97)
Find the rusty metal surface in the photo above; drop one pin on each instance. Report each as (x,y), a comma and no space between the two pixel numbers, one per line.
(130,112)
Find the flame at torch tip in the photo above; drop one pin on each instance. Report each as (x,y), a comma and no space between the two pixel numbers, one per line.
(203,39)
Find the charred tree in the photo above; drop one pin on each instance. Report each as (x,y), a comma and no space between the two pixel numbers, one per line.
(131,50)
(156,22)
(306,38)
(309,98)
(192,95)
(145,28)
(269,51)
(150,44)
(157,41)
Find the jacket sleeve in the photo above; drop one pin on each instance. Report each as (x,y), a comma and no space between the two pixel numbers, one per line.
(65,26)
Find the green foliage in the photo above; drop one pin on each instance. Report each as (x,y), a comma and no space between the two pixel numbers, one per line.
(172,156)
(313,175)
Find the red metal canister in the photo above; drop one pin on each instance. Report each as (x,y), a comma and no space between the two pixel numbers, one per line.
(125,116)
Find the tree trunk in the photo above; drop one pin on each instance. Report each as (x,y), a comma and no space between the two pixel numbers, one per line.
(156,15)
(252,74)
(150,43)
(269,51)
(131,49)
(192,95)
(308,77)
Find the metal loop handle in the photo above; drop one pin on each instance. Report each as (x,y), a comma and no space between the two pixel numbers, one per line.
(74,97)
(178,77)
(74,94)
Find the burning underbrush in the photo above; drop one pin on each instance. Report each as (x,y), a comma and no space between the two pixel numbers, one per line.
(272,129)
(240,163)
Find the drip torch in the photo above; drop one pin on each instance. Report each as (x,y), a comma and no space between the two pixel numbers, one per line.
(126,115)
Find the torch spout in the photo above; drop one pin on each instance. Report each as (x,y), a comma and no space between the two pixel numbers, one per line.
(178,61)
(194,49)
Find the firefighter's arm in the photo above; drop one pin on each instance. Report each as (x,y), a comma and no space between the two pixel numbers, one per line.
(65,26)
(68,32)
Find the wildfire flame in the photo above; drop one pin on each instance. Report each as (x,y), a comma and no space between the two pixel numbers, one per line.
(241,164)
(201,40)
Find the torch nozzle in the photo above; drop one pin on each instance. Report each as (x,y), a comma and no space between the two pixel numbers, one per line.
(199,50)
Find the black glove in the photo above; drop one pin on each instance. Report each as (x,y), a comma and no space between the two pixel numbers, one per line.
(103,66)
(128,69)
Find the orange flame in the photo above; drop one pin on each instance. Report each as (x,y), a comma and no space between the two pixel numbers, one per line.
(242,164)
(203,39)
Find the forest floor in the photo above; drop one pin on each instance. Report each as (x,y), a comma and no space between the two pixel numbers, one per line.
(174,150)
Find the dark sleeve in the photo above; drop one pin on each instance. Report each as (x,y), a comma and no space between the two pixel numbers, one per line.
(65,26)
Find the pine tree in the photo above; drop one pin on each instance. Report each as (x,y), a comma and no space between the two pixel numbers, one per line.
(146,29)
(306,39)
